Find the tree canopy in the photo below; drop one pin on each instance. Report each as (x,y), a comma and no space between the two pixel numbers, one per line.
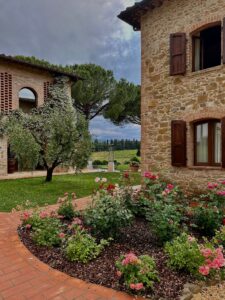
(92,95)
(125,104)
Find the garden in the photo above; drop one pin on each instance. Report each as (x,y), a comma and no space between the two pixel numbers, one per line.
(155,241)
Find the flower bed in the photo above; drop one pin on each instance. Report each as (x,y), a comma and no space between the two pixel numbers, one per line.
(147,242)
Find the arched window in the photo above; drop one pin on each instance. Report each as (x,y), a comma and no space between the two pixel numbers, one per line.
(207,47)
(27,99)
(207,140)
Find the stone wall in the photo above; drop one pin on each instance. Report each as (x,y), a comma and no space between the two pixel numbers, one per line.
(190,97)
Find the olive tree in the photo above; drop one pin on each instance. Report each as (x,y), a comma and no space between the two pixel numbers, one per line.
(50,135)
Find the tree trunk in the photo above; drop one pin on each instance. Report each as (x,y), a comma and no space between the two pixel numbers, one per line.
(49,174)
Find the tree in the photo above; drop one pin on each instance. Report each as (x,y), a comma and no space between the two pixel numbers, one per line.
(125,104)
(92,95)
(53,134)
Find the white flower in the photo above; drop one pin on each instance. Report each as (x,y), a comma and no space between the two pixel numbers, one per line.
(104,179)
(97,179)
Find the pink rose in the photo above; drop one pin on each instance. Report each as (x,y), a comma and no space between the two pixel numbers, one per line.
(25,216)
(221,193)
(130,258)
(139,286)
(97,179)
(212,185)
(206,252)
(43,215)
(28,226)
(204,270)
(170,186)
(61,235)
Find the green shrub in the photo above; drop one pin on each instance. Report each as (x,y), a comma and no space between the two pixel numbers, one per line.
(66,208)
(82,247)
(97,162)
(137,273)
(165,220)
(184,254)
(207,220)
(47,232)
(136,202)
(107,215)
(219,238)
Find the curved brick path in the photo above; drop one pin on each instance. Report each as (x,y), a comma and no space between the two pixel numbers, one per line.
(23,276)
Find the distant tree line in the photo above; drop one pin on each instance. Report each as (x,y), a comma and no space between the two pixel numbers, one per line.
(123,144)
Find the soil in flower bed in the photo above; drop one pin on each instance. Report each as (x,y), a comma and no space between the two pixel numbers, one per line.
(137,239)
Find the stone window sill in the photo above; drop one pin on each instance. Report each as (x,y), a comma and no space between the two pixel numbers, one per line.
(205,168)
(195,73)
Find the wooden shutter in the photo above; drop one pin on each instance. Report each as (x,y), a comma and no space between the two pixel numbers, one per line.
(224,40)
(223,141)
(177,53)
(178,140)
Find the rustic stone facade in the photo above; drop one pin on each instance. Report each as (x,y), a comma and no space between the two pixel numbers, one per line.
(189,97)
(15,77)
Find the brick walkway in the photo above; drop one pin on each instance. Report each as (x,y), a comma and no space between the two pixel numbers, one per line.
(22,276)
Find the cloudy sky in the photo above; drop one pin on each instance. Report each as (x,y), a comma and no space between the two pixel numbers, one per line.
(75,31)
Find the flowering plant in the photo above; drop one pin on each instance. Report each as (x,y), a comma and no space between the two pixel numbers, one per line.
(67,207)
(107,214)
(219,238)
(214,261)
(184,254)
(82,246)
(157,189)
(200,260)
(138,273)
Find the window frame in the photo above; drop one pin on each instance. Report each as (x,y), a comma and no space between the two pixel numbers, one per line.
(211,143)
(193,39)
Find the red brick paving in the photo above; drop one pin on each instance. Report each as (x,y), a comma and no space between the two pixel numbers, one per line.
(24,277)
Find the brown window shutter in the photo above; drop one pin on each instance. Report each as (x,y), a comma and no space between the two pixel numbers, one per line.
(178,149)
(177,54)
(224,40)
(223,141)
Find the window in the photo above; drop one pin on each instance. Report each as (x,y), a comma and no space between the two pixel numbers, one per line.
(208,143)
(27,99)
(207,48)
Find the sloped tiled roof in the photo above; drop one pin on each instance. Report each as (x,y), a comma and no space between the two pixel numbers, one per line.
(54,71)
(132,15)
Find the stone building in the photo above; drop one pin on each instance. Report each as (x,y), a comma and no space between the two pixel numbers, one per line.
(183,88)
(23,85)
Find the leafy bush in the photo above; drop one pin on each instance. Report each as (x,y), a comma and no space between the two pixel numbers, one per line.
(66,208)
(135,201)
(138,273)
(82,247)
(219,238)
(107,214)
(47,232)
(165,221)
(207,220)
(98,162)
(184,254)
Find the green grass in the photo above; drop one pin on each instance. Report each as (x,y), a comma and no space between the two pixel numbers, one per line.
(15,192)
(119,155)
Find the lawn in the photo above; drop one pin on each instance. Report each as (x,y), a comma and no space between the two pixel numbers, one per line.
(119,155)
(14,192)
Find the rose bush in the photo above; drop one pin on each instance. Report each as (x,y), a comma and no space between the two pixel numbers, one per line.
(137,273)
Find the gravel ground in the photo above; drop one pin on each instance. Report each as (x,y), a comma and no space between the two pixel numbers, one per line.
(216,292)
